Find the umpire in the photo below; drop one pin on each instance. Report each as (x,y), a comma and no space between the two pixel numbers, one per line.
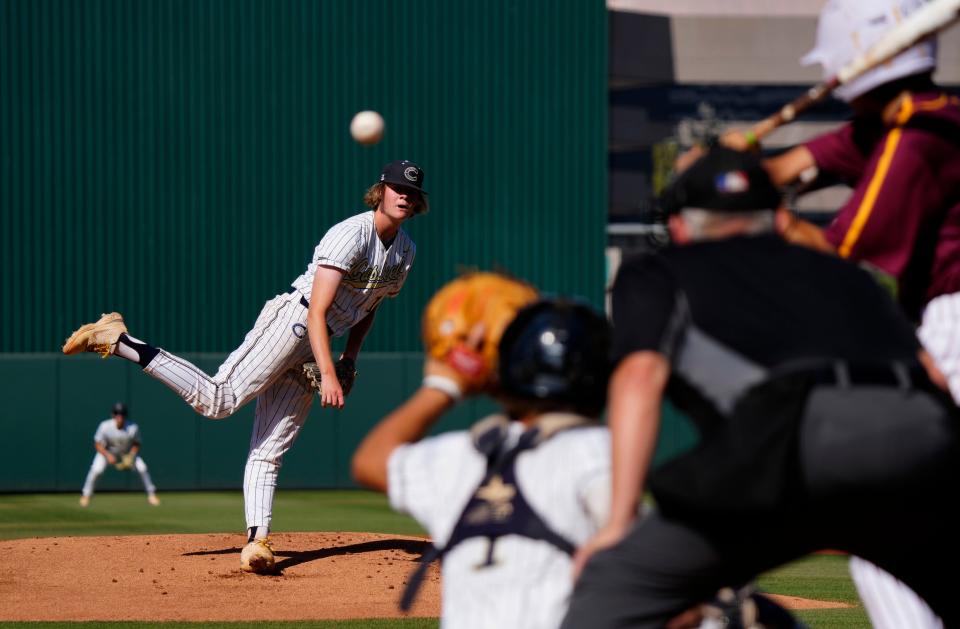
(820,426)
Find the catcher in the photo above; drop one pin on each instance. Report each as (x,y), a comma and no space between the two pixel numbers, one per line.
(508,501)
(117,442)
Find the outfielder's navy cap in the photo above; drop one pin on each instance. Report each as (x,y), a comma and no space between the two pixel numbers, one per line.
(723,180)
(403,173)
(120,409)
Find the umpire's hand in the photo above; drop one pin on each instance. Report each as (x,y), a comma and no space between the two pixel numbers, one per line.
(605,538)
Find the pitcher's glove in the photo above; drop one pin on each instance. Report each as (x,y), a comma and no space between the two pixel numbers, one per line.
(463,323)
(345,368)
(124,462)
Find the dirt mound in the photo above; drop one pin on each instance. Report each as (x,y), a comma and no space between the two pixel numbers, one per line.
(197,577)
(795,602)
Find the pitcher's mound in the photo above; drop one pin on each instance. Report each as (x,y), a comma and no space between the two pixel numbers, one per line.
(198,577)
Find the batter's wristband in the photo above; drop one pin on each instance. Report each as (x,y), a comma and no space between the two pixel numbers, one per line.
(444,384)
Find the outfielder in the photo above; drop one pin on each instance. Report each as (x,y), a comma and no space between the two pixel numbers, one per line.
(358,263)
(803,377)
(900,153)
(117,442)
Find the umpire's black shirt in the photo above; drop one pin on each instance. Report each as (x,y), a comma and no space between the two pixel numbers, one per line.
(732,313)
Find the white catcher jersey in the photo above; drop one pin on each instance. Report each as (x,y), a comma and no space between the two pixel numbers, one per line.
(117,441)
(566,480)
(371,271)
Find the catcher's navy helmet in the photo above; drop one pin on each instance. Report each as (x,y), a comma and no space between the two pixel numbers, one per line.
(555,354)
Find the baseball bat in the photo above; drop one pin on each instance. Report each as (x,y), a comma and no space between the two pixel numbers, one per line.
(930,19)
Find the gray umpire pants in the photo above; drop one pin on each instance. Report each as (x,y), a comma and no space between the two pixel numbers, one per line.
(877,475)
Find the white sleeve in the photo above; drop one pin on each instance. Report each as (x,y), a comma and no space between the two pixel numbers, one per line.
(135,434)
(422,476)
(340,246)
(98,436)
(593,483)
(595,497)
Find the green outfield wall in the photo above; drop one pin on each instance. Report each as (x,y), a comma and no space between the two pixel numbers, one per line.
(54,403)
(178,160)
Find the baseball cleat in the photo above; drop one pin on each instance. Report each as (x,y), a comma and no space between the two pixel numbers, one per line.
(257,557)
(152,499)
(84,501)
(100,337)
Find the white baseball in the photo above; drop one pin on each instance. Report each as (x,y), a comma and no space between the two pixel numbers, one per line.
(367,127)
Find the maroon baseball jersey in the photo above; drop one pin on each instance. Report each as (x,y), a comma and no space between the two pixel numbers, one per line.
(904,214)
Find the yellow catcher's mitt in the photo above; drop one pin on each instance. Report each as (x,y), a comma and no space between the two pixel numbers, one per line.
(465,319)
(125,462)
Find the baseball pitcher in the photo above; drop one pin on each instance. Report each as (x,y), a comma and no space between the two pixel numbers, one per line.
(358,263)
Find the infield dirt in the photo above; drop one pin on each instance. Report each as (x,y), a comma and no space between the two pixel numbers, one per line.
(197,578)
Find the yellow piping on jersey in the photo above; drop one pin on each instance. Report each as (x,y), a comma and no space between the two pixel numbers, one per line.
(873,189)
(938,103)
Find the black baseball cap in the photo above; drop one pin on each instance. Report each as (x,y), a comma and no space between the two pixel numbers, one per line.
(120,409)
(723,180)
(403,173)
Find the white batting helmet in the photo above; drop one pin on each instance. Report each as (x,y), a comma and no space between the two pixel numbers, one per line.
(847,29)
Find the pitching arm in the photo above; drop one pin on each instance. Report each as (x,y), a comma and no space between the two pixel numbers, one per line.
(326,280)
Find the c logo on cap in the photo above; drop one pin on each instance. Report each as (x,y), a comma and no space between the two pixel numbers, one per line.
(411,173)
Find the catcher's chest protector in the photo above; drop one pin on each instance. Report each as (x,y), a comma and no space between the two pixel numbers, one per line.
(497,507)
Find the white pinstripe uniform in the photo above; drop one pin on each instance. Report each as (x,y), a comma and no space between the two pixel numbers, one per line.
(890,603)
(267,365)
(566,480)
(118,442)
(940,334)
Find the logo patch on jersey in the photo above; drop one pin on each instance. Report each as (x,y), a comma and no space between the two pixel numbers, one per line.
(363,276)
(411,173)
(496,507)
(732,182)
(299,330)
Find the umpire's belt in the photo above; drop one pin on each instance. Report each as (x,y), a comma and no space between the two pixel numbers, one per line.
(893,374)
(303,300)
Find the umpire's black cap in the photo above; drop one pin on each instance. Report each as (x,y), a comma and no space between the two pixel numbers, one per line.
(120,409)
(403,173)
(722,180)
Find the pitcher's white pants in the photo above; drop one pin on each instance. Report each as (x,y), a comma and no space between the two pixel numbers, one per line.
(888,601)
(100,464)
(267,366)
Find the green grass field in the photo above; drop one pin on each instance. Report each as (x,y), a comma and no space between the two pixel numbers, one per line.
(52,515)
